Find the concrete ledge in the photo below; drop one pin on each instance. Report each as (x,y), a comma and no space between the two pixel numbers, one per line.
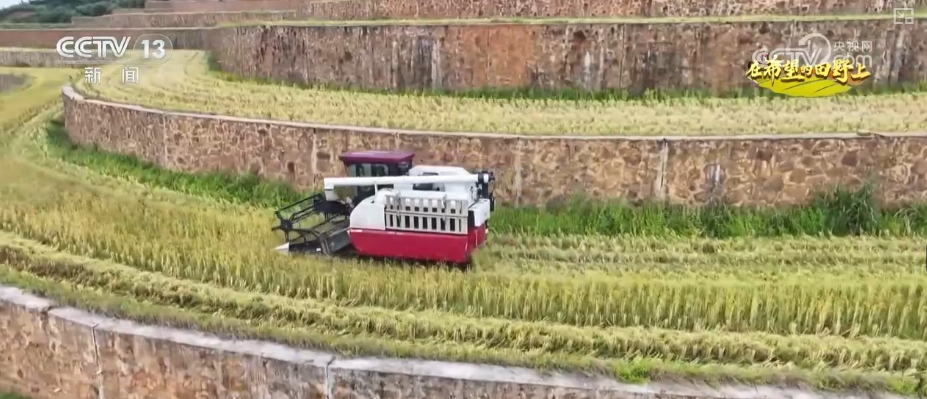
(749,170)
(50,352)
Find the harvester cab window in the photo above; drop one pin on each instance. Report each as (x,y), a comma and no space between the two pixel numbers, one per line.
(427,186)
(367,170)
(402,168)
(378,170)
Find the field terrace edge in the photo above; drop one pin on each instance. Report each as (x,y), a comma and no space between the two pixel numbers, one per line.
(632,57)
(57,351)
(764,170)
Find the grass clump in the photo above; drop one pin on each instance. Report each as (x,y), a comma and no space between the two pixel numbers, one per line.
(246,189)
(840,212)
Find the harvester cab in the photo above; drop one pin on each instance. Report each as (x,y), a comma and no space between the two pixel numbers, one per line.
(373,164)
(300,222)
(385,207)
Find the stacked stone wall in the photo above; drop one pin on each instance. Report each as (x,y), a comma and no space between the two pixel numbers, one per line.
(48,351)
(630,57)
(423,9)
(752,170)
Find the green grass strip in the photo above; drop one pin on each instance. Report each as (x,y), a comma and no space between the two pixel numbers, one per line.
(838,213)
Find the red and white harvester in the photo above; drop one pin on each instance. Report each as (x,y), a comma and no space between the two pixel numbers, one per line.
(387,208)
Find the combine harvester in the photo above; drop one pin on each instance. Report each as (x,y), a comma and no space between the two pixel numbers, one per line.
(387,208)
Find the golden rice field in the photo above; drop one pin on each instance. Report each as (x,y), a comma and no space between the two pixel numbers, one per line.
(185,84)
(832,312)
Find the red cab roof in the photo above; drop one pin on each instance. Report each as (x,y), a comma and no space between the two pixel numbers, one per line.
(377,156)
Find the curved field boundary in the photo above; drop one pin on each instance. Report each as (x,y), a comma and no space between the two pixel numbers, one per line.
(214,6)
(9,82)
(379,9)
(36,58)
(745,170)
(593,55)
(182,38)
(56,352)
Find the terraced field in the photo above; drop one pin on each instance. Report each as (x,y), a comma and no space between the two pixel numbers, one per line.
(830,295)
(185,84)
(834,312)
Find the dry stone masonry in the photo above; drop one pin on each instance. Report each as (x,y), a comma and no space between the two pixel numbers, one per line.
(443,9)
(632,57)
(751,170)
(53,352)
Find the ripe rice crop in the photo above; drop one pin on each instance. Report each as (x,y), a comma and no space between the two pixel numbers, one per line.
(100,232)
(185,84)
(490,335)
(225,248)
(40,88)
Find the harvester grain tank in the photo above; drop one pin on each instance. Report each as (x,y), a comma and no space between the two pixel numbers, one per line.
(388,208)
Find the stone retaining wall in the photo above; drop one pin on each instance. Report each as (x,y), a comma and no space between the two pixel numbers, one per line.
(632,57)
(51,352)
(172,20)
(182,38)
(750,170)
(378,9)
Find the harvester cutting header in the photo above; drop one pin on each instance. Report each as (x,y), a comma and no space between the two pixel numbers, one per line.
(387,208)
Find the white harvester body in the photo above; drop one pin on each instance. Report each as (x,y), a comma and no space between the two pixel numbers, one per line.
(432,213)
